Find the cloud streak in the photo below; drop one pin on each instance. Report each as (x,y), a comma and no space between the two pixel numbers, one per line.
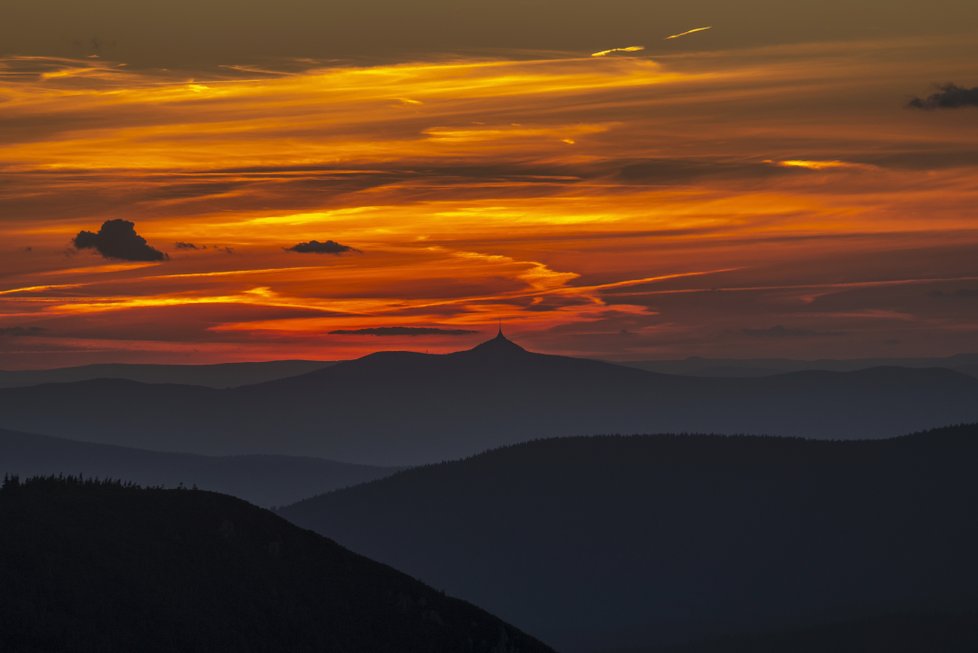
(781,331)
(402,331)
(624,50)
(687,33)
(21,331)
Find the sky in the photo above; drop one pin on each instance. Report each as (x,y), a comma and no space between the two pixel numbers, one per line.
(212,181)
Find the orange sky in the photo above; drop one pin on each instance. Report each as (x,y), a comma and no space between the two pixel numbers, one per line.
(767,201)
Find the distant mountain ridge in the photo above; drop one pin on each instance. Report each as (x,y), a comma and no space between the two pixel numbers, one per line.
(262,480)
(221,375)
(403,408)
(748,367)
(645,542)
(102,568)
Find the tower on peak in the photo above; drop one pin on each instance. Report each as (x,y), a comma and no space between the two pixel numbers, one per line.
(498,345)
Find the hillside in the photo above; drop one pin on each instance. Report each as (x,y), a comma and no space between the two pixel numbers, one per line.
(105,568)
(402,408)
(953,632)
(614,542)
(262,480)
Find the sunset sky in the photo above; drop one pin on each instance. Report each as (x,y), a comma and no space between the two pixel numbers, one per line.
(765,187)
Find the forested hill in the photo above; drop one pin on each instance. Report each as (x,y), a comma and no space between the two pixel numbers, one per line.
(603,543)
(262,480)
(99,567)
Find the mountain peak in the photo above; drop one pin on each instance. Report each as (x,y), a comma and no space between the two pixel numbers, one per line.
(499,345)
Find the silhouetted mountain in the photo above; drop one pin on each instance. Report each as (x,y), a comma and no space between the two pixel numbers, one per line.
(263,480)
(614,542)
(224,375)
(749,367)
(104,568)
(971,370)
(402,408)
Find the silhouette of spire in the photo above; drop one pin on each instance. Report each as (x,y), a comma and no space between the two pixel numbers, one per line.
(500,345)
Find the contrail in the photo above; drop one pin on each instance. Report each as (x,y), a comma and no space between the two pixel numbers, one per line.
(631,48)
(688,32)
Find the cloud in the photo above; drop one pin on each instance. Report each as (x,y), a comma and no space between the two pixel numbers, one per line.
(809,164)
(948,96)
(688,32)
(962,293)
(316,247)
(402,331)
(18,331)
(195,247)
(781,331)
(118,239)
(630,48)
(673,170)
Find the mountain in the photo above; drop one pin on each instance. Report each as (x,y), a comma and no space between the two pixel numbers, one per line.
(263,480)
(103,568)
(605,543)
(748,367)
(224,375)
(403,408)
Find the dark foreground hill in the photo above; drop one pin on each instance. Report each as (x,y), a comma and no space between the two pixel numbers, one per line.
(953,632)
(402,408)
(96,567)
(262,480)
(606,543)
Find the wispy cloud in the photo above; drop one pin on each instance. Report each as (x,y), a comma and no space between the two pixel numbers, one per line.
(402,331)
(21,331)
(627,49)
(688,32)
(808,164)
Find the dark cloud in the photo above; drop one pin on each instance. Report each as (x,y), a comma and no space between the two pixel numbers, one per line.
(403,331)
(195,247)
(781,331)
(316,247)
(671,170)
(668,171)
(17,331)
(118,239)
(553,303)
(961,293)
(949,96)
